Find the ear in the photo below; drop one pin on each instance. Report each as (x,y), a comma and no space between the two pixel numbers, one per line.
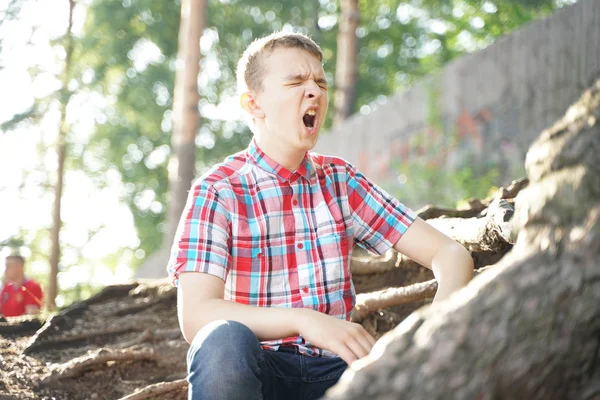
(249,104)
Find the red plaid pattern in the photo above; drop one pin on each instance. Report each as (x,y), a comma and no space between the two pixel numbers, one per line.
(284,239)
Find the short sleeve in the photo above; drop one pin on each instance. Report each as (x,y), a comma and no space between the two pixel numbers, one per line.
(202,241)
(379,220)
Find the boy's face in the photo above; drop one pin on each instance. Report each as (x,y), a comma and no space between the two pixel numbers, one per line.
(13,271)
(293,102)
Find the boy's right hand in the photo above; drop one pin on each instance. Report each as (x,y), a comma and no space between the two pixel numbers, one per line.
(349,340)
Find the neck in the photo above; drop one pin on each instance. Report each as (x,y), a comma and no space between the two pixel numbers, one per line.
(280,153)
(18,282)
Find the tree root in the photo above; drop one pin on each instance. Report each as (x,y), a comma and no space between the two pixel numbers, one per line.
(368,303)
(80,365)
(147,303)
(111,292)
(144,337)
(492,233)
(150,337)
(61,321)
(54,342)
(21,326)
(153,391)
(475,206)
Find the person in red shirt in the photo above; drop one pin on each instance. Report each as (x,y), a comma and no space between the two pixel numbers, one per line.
(19,295)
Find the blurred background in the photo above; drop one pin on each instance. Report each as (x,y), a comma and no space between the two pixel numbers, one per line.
(92,130)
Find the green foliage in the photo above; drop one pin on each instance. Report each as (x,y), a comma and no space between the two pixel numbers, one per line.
(399,44)
(419,184)
(127,54)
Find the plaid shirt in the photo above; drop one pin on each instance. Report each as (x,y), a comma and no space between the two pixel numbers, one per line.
(284,239)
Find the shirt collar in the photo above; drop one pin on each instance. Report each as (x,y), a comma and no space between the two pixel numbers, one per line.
(260,158)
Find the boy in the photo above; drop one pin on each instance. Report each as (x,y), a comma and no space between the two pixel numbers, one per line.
(20,295)
(261,257)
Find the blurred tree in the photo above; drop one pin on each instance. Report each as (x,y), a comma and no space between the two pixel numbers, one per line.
(55,124)
(346,67)
(61,145)
(127,54)
(186,119)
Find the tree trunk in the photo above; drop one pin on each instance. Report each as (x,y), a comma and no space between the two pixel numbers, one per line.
(346,64)
(530,326)
(61,148)
(186,120)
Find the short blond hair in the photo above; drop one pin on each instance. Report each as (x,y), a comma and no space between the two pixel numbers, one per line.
(250,68)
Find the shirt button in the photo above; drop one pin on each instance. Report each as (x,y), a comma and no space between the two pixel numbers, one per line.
(305,289)
(295,202)
(259,255)
(300,245)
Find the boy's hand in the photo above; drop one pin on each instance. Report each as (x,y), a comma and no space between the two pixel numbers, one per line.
(349,340)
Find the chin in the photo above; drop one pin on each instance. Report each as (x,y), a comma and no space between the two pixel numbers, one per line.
(309,142)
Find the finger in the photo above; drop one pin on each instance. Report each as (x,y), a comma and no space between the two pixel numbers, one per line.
(370,338)
(364,337)
(357,347)
(365,341)
(345,353)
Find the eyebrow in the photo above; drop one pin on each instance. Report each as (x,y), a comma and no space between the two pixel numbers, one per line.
(301,77)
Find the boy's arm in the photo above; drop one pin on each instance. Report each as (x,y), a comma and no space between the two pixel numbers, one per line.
(450,262)
(200,301)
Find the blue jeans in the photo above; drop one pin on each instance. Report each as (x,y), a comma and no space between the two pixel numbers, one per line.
(225,361)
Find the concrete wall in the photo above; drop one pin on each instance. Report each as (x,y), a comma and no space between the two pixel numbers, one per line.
(495,101)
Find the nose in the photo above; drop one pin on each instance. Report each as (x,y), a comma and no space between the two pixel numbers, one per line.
(313,91)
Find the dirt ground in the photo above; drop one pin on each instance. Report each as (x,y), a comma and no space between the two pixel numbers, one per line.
(138,320)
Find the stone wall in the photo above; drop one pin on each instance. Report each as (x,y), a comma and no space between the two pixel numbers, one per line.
(487,106)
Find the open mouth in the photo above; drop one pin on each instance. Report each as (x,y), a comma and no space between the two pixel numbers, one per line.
(309,119)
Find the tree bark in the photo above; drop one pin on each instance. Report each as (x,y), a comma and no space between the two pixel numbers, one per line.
(61,148)
(530,326)
(346,72)
(186,120)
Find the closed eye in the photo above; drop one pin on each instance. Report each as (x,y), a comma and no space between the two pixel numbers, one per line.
(321,85)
